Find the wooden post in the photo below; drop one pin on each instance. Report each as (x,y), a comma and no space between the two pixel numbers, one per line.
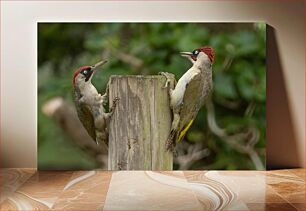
(140,125)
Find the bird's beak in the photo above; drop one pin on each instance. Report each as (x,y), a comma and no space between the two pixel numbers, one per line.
(95,67)
(186,54)
(99,64)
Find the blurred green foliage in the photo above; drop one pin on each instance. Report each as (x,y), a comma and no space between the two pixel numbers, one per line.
(239,79)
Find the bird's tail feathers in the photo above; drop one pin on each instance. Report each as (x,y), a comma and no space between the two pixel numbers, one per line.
(184,131)
(170,143)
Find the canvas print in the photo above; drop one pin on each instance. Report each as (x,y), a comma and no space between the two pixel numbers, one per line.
(151,96)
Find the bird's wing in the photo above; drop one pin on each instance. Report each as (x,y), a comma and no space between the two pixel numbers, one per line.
(86,118)
(191,104)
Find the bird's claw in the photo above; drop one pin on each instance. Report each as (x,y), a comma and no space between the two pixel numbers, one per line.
(168,78)
(166,85)
(116,100)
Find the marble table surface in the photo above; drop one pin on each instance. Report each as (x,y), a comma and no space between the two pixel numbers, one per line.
(29,189)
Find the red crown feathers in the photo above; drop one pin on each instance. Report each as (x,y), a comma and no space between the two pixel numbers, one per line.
(78,71)
(209,52)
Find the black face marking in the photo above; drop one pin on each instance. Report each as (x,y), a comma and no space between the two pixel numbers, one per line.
(87,73)
(195,52)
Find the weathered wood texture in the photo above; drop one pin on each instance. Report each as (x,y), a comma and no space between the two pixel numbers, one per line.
(140,125)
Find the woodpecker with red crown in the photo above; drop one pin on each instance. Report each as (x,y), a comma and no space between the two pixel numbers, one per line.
(190,93)
(90,104)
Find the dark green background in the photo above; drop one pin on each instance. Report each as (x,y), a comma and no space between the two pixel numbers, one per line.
(239,76)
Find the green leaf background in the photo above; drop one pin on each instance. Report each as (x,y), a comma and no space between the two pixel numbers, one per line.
(239,75)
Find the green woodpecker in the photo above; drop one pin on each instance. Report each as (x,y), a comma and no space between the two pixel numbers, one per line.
(190,93)
(90,104)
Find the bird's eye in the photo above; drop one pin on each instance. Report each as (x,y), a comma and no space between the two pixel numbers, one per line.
(195,52)
(85,72)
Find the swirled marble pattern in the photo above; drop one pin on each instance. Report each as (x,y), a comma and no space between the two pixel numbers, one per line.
(27,189)
(11,179)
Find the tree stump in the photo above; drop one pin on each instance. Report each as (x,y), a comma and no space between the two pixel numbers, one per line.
(140,124)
